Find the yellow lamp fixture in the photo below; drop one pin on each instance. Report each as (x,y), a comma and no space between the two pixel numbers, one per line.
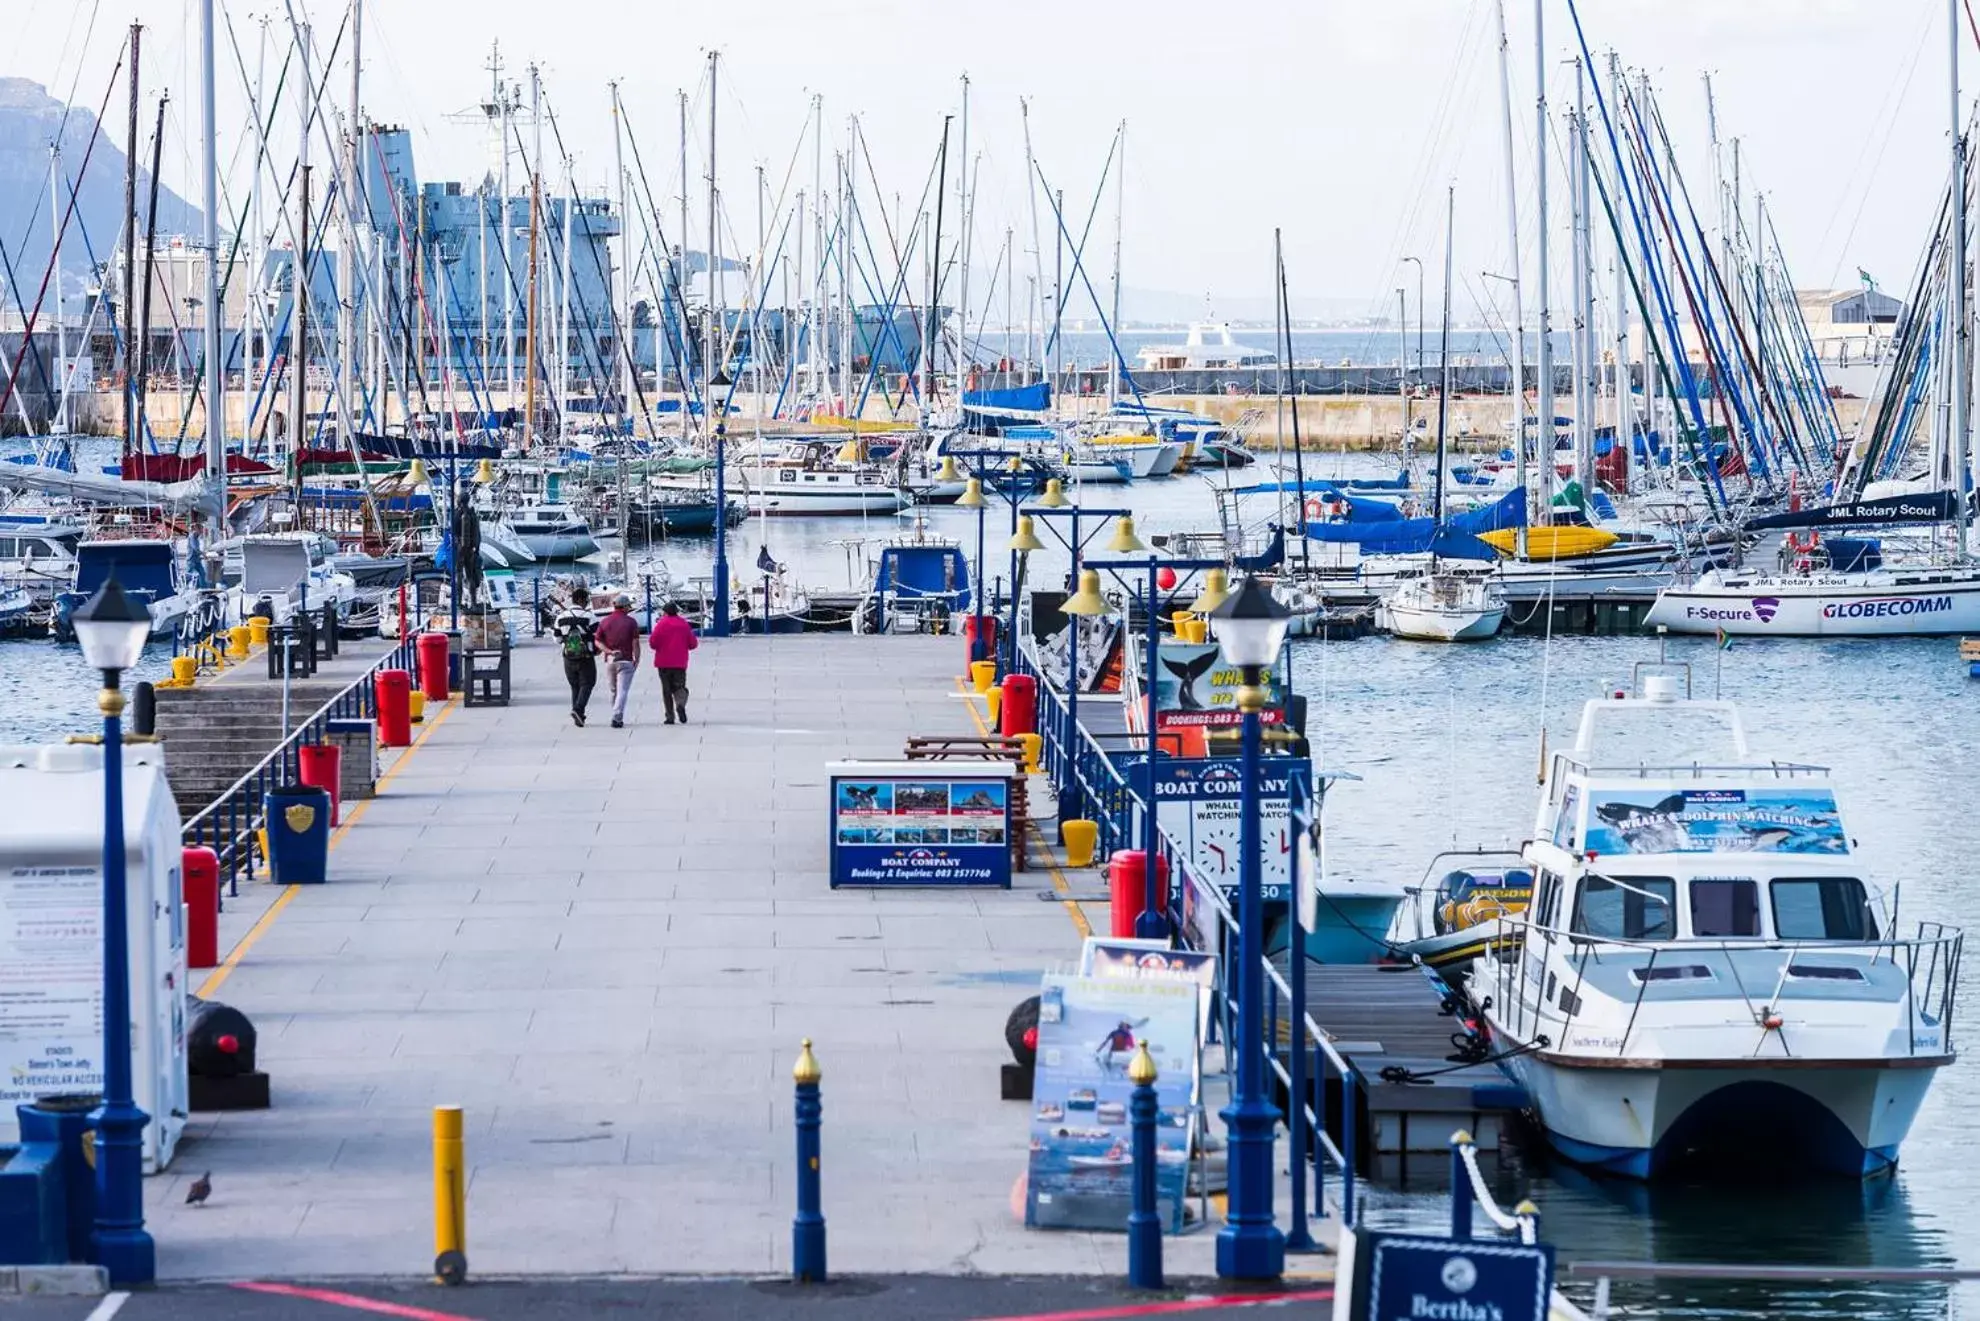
(1087,600)
(949,472)
(484,473)
(1124,541)
(1216,587)
(972,496)
(1055,495)
(1016,464)
(416,474)
(1027,536)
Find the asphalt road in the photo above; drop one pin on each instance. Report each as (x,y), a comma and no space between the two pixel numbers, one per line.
(892,1298)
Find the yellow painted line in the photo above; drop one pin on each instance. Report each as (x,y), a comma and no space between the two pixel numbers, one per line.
(218,977)
(1059,883)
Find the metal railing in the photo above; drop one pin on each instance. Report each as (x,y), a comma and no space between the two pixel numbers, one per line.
(232,823)
(1075,759)
(1529,996)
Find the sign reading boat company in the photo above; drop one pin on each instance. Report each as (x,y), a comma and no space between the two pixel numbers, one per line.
(1402,1277)
(1714,821)
(1198,802)
(921,824)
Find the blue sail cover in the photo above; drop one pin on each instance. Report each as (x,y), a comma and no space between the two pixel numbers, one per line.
(1033,398)
(1456,540)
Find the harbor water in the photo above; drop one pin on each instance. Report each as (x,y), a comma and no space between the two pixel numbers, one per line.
(1446,740)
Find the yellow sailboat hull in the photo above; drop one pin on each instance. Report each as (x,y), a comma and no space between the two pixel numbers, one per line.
(1550,543)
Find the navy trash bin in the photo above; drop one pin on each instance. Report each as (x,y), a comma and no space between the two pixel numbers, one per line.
(64,1123)
(297,819)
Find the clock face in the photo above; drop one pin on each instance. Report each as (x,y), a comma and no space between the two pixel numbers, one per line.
(1214,844)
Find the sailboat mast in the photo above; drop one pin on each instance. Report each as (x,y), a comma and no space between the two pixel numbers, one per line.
(347,256)
(132,423)
(1544,395)
(627,382)
(1036,309)
(216,405)
(934,276)
(299,267)
(1444,354)
(1113,351)
(680,270)
(1584,293)
(505,230)
(1961,365)
(1512,246)
(966,212)
(710,329)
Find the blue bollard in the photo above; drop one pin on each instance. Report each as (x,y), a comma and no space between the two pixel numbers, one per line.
(1460,1187)
(1144,1226)
(1349,1118)
(536,604)
(808,1228)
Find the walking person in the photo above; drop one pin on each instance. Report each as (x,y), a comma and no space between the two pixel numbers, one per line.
(576,631)
(618,643)
(673,638)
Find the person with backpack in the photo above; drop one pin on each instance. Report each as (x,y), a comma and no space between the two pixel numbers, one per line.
(673,638)
(576,631)
(618,642)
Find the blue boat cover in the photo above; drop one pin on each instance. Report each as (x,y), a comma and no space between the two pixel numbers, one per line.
(1456,540)
(1033,398)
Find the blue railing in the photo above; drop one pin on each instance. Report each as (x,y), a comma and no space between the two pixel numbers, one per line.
(231,823)
(1106,797)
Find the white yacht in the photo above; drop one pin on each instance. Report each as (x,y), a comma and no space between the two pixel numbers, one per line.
(549,531)
(1705,975)
(278,574)
(811,477)
(1879,603)
(1444,606)
(38,553)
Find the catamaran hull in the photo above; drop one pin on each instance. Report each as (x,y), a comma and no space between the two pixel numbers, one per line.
(1900,608)
(1845,1119)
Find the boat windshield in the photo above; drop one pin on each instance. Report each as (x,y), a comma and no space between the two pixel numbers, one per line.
(1661,734)
(1725,906)
(1626,908)
(1822,908)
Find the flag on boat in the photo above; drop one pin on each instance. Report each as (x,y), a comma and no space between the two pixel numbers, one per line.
(1725,640)
(764,564)
(1864,277)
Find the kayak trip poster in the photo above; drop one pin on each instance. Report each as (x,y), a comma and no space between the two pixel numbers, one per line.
(1714,821)
(1089,1028)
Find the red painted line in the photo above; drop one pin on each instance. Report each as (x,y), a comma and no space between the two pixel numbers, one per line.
(354,1302)
(1169,1308)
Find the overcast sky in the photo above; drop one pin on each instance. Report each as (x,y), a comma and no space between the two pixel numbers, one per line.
(1340,121)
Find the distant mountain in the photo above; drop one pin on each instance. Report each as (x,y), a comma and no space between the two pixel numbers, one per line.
(29,121)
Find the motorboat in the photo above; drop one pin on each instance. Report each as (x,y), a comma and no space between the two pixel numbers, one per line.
(148,570)
(18,616)
(1452,917)
(38,552)
(281,574)
(1444,606)
(550,531)
(1705,976)
(808,477)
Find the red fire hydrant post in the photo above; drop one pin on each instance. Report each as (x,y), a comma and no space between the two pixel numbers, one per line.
(321,766)
(433,666)
(199,870)
(394,692)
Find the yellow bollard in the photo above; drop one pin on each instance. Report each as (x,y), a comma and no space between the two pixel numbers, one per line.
(449,1196)
(983,674)
(183,669)
(237,643)
(1196,630)
(417,704)
(1034,748)
(1179,623)
(1082,842)
(993,702)
(258,630)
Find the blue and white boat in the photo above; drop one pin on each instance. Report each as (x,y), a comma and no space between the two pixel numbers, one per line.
(1705,977)
(149,572)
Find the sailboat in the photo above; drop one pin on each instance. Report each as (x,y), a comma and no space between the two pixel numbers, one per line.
(1444,604)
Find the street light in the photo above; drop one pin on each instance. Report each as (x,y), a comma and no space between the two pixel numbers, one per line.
(972,498)
(112,629)
(1055,494)
(1251,627)
(719,389)
(1124,542)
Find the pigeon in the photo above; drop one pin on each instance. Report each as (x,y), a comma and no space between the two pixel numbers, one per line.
(201,1189)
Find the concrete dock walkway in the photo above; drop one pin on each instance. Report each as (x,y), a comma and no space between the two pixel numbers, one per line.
(606,944)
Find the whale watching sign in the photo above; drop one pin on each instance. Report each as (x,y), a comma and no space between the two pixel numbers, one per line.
(1404,1277)
(1198,802)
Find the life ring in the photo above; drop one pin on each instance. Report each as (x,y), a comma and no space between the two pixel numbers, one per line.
(1316,509)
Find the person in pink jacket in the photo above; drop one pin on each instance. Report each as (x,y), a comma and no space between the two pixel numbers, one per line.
(673,638)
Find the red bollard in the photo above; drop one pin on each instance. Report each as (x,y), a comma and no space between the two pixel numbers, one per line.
(199,871)
(433,666)
(1127,881)
(989,649)
(1019,711)
(321,766)
(394,689)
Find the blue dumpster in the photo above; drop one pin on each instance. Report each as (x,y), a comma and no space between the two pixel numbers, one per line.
(297,819)
(64,1124)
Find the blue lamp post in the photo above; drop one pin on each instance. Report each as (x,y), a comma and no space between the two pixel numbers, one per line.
(112,629)
(719,625)
(1251,627)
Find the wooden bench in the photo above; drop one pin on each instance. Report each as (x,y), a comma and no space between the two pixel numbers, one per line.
(981,747)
